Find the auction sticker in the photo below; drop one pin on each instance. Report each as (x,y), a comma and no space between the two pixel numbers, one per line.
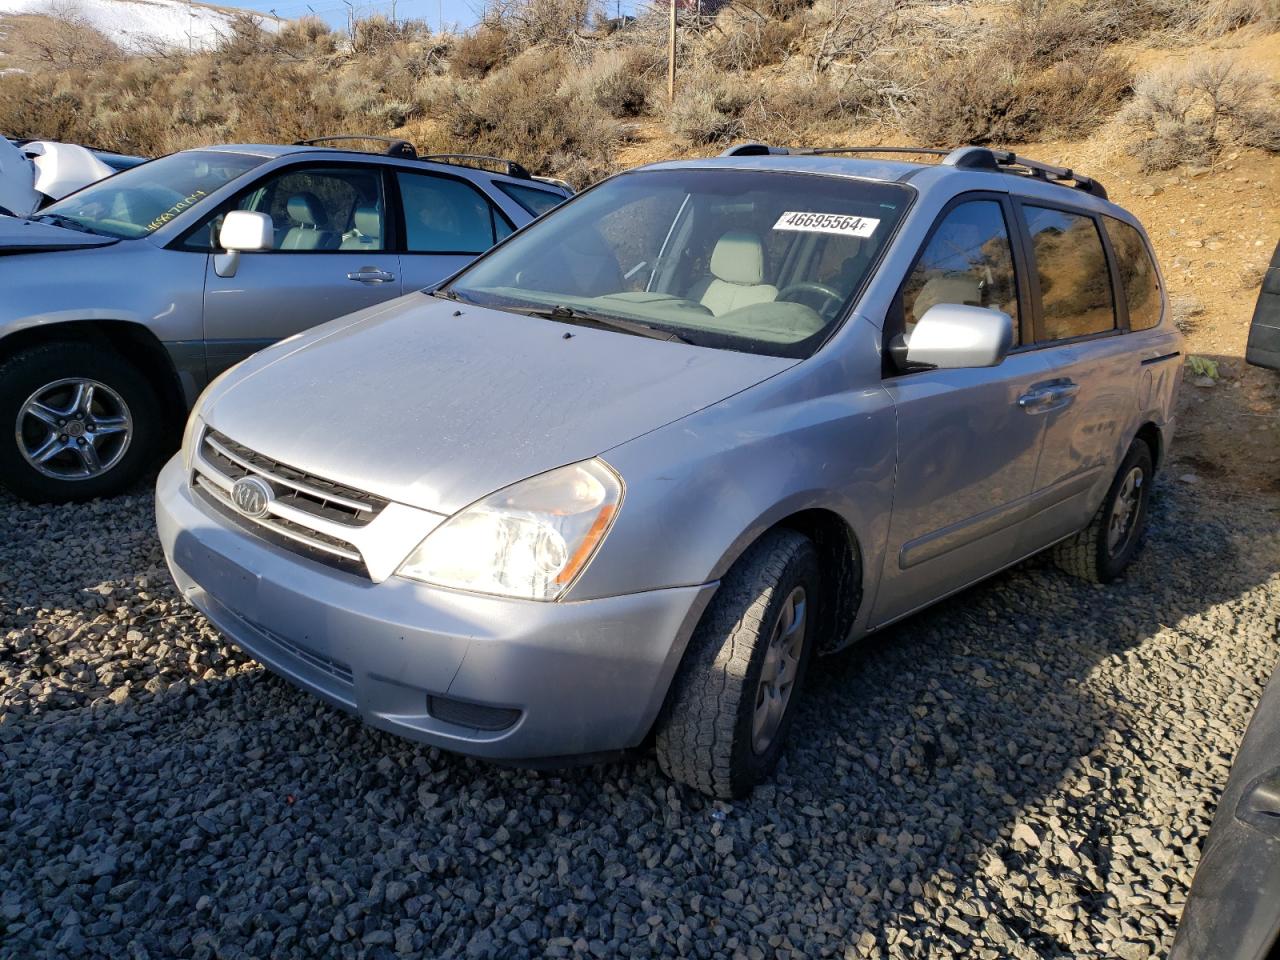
(843,224)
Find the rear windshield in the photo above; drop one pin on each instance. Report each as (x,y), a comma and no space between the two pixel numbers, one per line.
(755,261)
(142,199)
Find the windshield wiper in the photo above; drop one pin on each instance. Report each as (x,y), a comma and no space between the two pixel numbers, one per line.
(59,220)
(567,314)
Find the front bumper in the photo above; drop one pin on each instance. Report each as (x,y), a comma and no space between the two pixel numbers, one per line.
(585,677)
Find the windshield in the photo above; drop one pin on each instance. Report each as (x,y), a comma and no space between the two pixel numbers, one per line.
(755,261)
(141,200)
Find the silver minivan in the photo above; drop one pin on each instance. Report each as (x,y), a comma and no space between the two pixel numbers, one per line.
(632,470)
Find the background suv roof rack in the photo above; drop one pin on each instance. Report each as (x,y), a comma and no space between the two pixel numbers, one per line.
(509,167)
(966,158)
(395,147)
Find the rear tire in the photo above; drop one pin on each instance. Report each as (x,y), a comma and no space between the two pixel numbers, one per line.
(733,699)
(77,421)
(1101,551)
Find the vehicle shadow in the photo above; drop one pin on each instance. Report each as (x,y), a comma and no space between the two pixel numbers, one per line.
(219,815)
(1229,427)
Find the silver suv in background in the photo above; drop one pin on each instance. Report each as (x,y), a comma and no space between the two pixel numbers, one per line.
(124,299)
(631,470)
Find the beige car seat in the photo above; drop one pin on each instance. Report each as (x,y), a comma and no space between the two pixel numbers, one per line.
(737,275)
(308,225)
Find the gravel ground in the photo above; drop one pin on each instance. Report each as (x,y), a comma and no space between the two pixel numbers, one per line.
(1027,770)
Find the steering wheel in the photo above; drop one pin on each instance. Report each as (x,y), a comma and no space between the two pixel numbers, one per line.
(808,290)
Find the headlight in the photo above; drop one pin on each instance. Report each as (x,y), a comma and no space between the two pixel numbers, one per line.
(189,434)
(528,540)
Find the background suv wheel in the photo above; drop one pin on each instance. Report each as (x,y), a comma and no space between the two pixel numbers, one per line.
(77,421)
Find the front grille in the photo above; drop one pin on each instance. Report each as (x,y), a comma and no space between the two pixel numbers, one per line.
(295,488)
(308,515)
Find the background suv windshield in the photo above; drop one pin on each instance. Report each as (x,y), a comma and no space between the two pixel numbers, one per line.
(141,200)
(747,260)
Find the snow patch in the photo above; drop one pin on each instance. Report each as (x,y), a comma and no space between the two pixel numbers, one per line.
(143,25)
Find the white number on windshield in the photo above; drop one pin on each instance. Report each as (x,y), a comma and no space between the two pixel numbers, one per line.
(842,224)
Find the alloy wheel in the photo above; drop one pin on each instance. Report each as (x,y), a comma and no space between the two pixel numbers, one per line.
(74,429)
(1123,522)
(781,667)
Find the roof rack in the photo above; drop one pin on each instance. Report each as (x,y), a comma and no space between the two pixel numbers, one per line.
(984,158)
(395,147)
(965,158)
(509,167)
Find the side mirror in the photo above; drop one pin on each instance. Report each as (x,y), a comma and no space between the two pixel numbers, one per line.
(246,230)
(242,230)
(956,335)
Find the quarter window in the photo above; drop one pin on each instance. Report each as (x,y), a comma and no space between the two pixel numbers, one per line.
(443,215)
(1137,274)
(532,199)
(1071,267)
(967,260)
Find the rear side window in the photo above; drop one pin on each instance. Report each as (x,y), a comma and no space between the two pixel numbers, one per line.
(1137,274)
(1075,284)
(967,260)
(443,215)
(532,199)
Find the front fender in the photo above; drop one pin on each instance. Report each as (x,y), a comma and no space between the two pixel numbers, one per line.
(701,490)
(131,282)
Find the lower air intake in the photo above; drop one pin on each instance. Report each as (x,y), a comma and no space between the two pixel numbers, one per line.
(471,714)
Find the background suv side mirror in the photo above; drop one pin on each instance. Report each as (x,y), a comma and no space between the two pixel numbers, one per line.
(242,230)
(955,335)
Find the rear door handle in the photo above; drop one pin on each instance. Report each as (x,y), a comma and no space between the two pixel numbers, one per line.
(371,275)
(1048,396)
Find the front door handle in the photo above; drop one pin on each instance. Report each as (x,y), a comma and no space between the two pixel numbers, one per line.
(1044,397)
(371,275)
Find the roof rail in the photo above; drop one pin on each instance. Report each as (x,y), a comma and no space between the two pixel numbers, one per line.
(509,167)
(556,182)
(395,147)
(966,158)
(984,158)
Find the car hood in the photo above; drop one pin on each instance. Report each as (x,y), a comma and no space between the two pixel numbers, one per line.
(436,404)
(28,236)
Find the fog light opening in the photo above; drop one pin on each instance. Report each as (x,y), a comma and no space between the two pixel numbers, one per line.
(471,714)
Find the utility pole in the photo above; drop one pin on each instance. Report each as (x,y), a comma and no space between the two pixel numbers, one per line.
(671,55)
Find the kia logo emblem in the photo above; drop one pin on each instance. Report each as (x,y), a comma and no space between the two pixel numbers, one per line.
(252,496)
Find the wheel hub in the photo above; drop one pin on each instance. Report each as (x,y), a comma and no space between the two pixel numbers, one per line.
(73,429)
(780,670)
(1124,512)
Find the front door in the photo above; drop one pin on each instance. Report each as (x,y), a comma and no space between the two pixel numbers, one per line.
(330,257)
(967,442)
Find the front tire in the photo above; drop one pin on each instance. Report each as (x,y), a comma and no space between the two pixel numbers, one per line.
(1101,551)
(732,702)
(76,422)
